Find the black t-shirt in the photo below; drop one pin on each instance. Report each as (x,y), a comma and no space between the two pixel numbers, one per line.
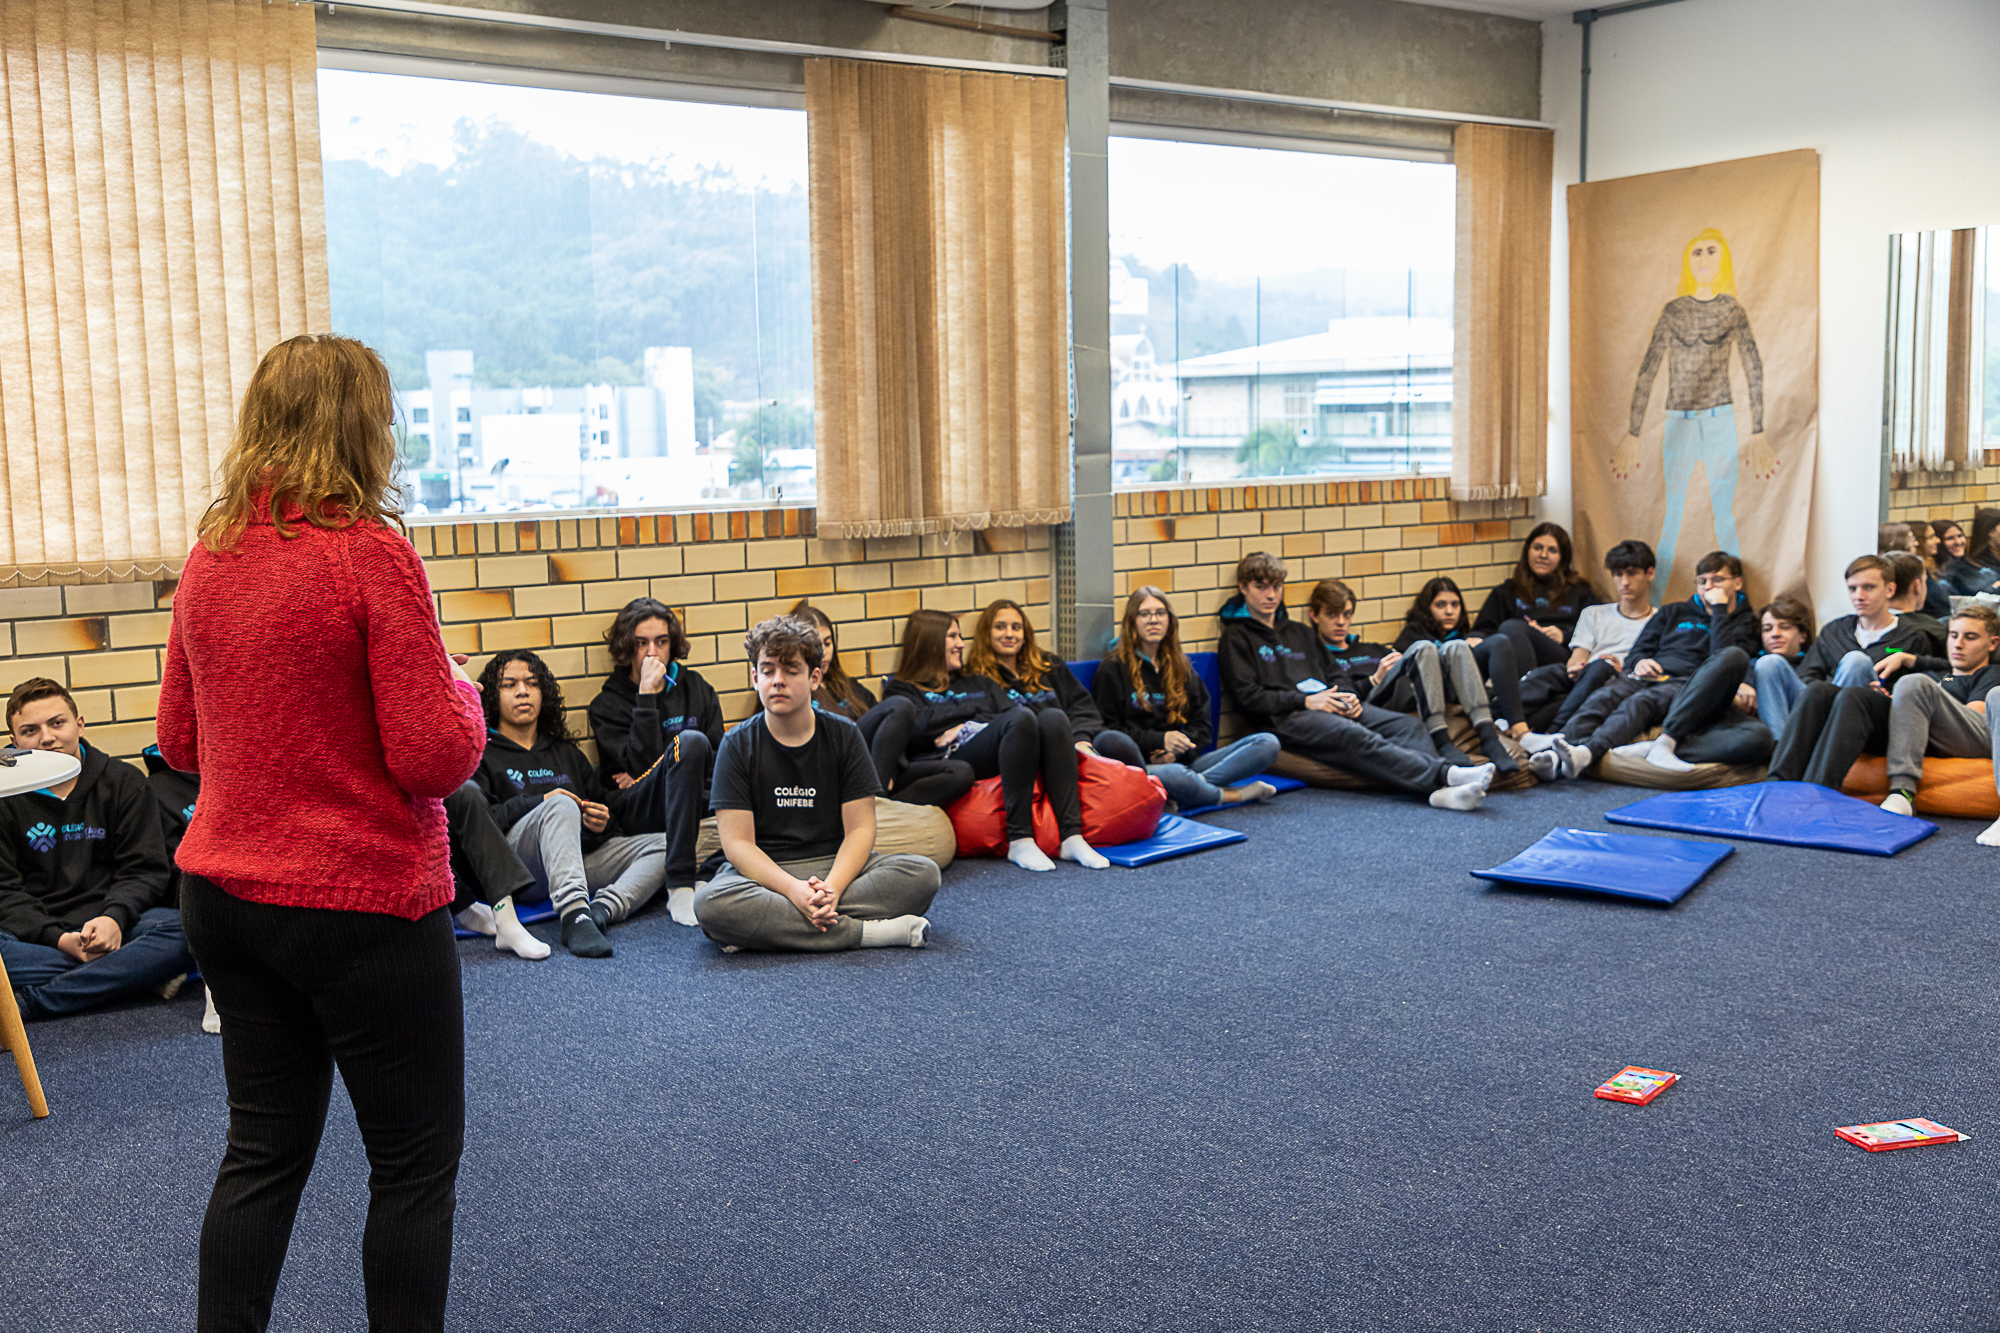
(794,792)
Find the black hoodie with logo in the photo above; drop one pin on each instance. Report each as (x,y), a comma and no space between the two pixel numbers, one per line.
(1561,610)
(1836,640)
(1059,689)
(516,779)
(633,729)
(98,852)
(1147,723)
(1263,665)
(1683,635)
(964,698)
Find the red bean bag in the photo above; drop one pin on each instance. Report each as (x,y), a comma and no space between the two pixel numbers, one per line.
(1120,805)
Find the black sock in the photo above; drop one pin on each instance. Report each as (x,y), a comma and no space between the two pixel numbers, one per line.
(1495,749)
(600,914)
(1451,754)
(581,936)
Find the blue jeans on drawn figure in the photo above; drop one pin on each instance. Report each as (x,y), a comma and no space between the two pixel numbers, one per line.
(1707,437)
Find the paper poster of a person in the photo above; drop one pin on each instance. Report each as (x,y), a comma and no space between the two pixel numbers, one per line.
(1694,336)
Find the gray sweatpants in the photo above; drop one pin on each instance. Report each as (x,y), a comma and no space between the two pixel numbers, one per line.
(624,873)
(735,909)
(1418,681)
(1924,719)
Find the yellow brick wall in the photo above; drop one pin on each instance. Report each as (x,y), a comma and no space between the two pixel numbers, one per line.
(1940,495)
(553,584)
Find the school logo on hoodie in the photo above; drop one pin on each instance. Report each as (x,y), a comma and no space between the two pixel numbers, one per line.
(514,776)
(42,837)
(187,811)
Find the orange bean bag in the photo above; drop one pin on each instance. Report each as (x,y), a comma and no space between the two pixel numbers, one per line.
(1952,788)
(1120,805)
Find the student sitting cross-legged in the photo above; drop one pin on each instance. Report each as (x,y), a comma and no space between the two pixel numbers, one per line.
(1676,643)
(1919,705)
(1537,607)
(557,813)
(1714,720)
(1003,649)
(1423,675)
(955,714)
(1147,689)
(1277,671)
(1438,614)
(795,805)
(1846,650)
(85,913)
(657,723)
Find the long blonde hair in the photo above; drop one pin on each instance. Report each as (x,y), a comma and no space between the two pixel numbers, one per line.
(1031,664)
(313,435)
(1725,272)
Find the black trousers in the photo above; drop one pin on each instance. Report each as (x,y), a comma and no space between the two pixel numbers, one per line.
(1382,748)
(1495,658)
(1831,726)
(889,728)
(301,990)
(1532,648)
(1018,746)
(484,869)
(1594,677)
(671,797)
(1706,724)
(1620,712)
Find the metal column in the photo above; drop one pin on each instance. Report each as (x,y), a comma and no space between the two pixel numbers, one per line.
(1081,555)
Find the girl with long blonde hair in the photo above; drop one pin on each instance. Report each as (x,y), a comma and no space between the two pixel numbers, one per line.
(1003,649)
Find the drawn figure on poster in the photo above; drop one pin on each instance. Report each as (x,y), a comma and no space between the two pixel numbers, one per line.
(1693,336)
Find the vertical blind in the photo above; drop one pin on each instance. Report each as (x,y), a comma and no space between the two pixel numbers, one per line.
(1935,415)
(161,226)
(940,298)
(1500,363)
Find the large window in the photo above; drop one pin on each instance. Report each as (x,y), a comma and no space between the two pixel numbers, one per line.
(586,301)
(1278,313)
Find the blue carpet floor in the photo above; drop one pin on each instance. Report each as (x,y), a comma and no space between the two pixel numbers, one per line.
(1321,1080)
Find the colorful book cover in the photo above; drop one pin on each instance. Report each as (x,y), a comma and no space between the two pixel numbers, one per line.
(1887,1134)
(1636,1085)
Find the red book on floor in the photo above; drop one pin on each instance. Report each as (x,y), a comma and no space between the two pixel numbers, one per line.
(1887,1134)
(1635,1085)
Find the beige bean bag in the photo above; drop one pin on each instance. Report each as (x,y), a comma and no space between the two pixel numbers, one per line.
(1315,774)
(1639,773)
(899,827)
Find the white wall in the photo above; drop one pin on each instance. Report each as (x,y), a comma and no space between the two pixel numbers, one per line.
(1903,103)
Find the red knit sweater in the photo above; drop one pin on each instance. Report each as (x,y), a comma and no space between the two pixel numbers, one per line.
(307,683)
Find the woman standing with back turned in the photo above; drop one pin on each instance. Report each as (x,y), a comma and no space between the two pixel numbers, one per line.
(308,685)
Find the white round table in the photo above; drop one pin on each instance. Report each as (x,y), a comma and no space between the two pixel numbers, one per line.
(33,770)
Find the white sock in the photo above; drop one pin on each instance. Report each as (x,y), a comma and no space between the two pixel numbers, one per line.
(1898,804)
(898,932)
(479,917)
(1662,755)
(1576,758)
(680,906)
(1479,775)
(1074,848)
(1469,797)
(1636,750)
(210,1020)
(1248,792)
(1501,724)
(1547,766)
(1535,742)
(511,935)
(1023,853)
(1991,838)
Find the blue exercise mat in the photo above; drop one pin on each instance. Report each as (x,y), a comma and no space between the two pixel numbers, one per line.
(528,916)
(1659,870)
(1174,837)
(1798,814)
(1282,784)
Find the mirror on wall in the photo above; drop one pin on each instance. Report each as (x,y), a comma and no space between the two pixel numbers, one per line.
(1941,395)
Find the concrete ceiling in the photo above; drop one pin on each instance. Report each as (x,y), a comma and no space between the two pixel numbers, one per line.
(1519,9)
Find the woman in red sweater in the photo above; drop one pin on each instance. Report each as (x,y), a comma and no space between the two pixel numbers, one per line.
(308,685)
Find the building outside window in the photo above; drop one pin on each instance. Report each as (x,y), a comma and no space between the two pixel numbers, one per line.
(1278,313)
(609,296)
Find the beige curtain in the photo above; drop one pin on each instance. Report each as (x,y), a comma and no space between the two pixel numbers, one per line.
(161,225)
(940,293)
(1500,362)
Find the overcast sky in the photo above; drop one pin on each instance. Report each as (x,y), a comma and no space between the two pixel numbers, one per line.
(393,119)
